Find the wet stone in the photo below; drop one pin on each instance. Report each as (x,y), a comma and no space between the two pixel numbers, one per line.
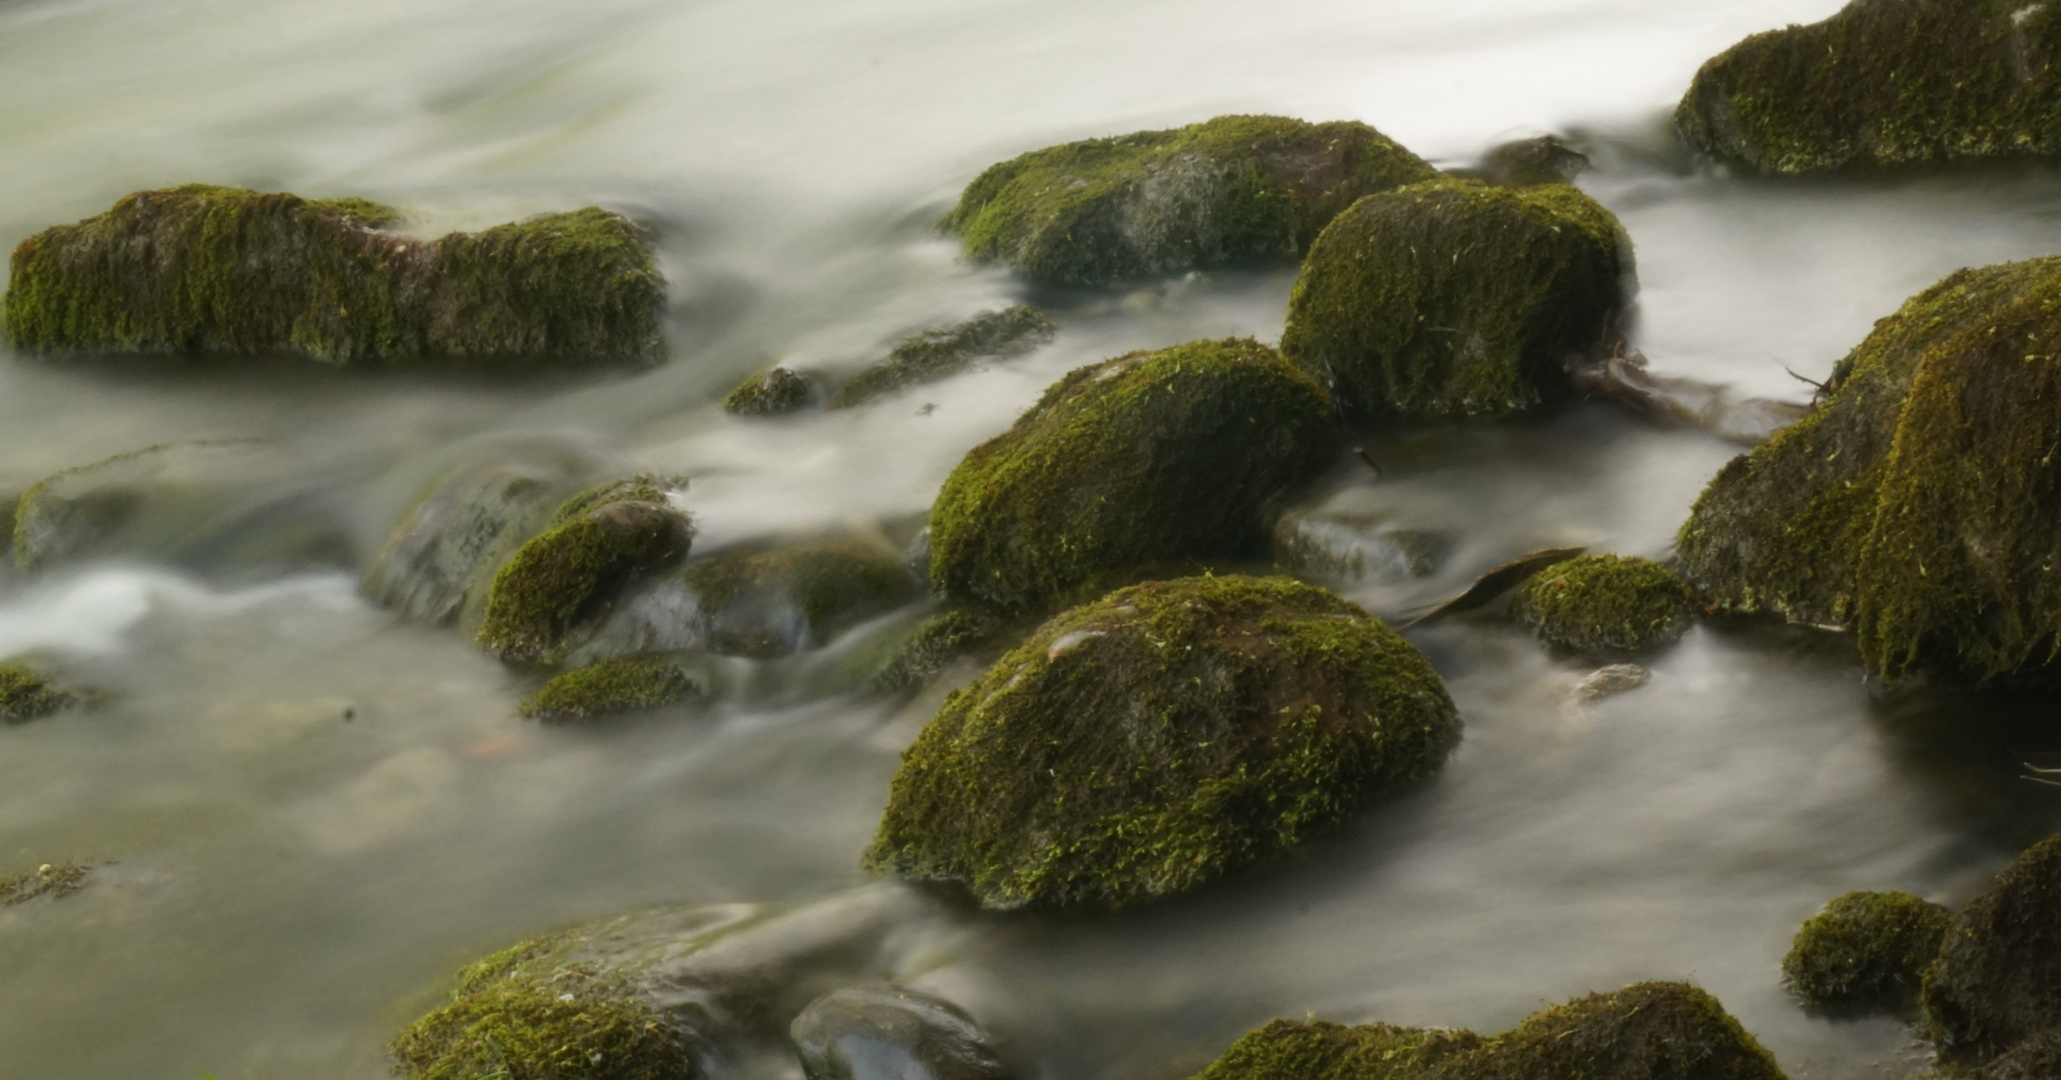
(1606,681)
(1354,547)
(886,1033)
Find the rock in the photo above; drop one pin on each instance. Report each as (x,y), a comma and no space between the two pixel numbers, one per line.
(27,693)
(931,647)
(597,543)
(213,269)
(1622,377)
(1353,546)
(1866,950)
(1607,604)
(2035,1058)
(1998,978)
(1913,503)
(1884,82)
(54,880)
(1151,741)
(1496,581)
(1452,298)
(1610,679)
(1234,189)
(775,391)
(934,354)
(1647,1031)
(1158,457)
(608,687)
(886,1033)
(1544,159)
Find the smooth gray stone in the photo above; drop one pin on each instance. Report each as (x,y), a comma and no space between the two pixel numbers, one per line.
(884,1033)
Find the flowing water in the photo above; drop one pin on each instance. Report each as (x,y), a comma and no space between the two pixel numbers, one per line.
(307,813)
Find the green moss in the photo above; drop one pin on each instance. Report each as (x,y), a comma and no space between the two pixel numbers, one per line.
(50,879)
(213,269)
(771,603)
(1866,950)
(565,574)
(1547,159)
(2037,1057)
(934,354)
(772,392)
(931,648)
(1234,189)
(28,694)
(1607,604)
(1451,298)
(1320,1050)
(1916,504)
(1149,742)
(1998,978)
(1884,82)
(1149,458)
(607,687)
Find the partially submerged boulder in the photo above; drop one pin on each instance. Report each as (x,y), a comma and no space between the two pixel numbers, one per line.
(883,1032)
(29,693)
(1884,82)
(931,647)
(1998,978)
(1915,503)
(1234,189)
(608,687)
(214,269)
(1541,159)
(1453,298)
(1607,604)
(1866,950)
(1352,546)
(775,391)
(1159,738)
(929,355)
(1180,454)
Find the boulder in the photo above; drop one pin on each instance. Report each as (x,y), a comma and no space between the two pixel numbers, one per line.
(883,1032)
(213,269)
(1606,604)
(1998,978)
(1151,458)
(608,687)
(1542,159)
(1914,504)
(1235,189)
(2035,1058)
(1453,298)
(1866,950)
(1159,738)
(29,693)
(1884,82)
(930,355)
(775,391)
(931,647)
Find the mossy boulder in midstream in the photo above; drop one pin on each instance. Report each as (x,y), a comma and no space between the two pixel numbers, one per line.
(608,687)
(1997,981)
(1916,503)
(1152,741)
(1606,604)
(1866,950)
(1453,298)
(930,647)
(1646,1031)
(1180,454)
(1884,82)
(226,270)
(775,391)
(1234,189)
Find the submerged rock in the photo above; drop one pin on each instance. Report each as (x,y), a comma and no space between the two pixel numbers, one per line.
(213,269)
(1496,581)
(1997,982)
(1609,680)
(1607,604)
(608,687)
(931,355)
(1149,458)
(1161,737)
(28,693)
(1622,377)
(1647,1031)
(1543,159)
(1884,82)
(1452,298)
(887,1033)
(1914,504)
(775,391)
(54,880)
(931,647)
(1866,950)
(1355,546)
(1234,189)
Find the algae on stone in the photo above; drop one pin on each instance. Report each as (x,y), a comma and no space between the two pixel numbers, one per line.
(564,575)
(1161,457)
(772,392)
(1166,735)
(1607,604)
(1234,189)
(1916,504)
(1453,298)
(607,687)
(213,269)
(28,694)
(54,880)
(931,647)
(1884,82)
(930,355)
(1866,950)
(771,603)
(1997,981)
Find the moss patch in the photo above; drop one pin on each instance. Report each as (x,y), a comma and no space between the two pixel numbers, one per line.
(50,879)
(1884,82)
(1234,189)
(1866,950)
(775,391)
(28,694)
(1919,503)
(563,575)
(931,355)
(1149,458)
(608,687)
(772,603)
(1170,733)
(1607,604)
(1452,298)
(931,648)
(213,269)
(1998,978)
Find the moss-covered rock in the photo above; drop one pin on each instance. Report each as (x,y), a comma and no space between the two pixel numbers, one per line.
(1998,978)
(1161,737)
(1234,189)
(1866,950)
(2035,1058)
(931,647)
(212,269)
(930,355)
(1884,82)
(1453,298)
(1543,159)
(775,391)
(28,693)
(55,880)
(1916,503)
(608,687)
(1149,458)
(1607,604)
(1647,1031)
